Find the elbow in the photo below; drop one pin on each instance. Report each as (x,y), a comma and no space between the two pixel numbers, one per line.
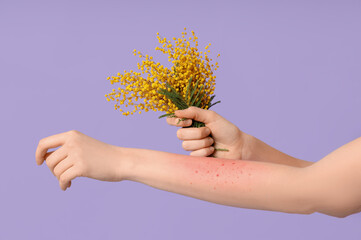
(342,213)
(339,214)
(339,208)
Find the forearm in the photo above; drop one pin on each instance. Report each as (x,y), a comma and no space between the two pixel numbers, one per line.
(239,183)
(258,150)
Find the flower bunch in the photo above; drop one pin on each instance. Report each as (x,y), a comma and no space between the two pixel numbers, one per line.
(189,81)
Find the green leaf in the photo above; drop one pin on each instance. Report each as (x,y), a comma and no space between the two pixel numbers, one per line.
(221,149)
(193,90)
(174,97)
(188,86)
(166,115)
(178,96)
(214,104)
(181,119)
(210,100)
(200,99)
(196,97)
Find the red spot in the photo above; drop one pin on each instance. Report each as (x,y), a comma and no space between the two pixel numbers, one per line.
(214,187)
(241,171)
(190,183)
(217,175)
(196,171)
(249,174)
(232,182)
(222,164)
(207,171)
(233,163)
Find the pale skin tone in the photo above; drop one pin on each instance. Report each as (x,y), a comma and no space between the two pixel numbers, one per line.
(251,175)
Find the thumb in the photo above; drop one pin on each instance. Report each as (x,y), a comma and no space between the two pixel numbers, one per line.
(198,114)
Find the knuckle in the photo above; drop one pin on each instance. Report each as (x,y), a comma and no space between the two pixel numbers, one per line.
(192,108)
(212,114)
(73,133)
(196,115)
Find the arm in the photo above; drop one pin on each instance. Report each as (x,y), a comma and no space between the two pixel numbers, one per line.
(244,184)
(336,181)
(330,186)
(257,150)
(225,135)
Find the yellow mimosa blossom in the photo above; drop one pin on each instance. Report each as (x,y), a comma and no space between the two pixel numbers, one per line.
(189,81)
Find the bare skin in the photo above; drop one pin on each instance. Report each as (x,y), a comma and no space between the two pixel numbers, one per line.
(225,135)
(275,181)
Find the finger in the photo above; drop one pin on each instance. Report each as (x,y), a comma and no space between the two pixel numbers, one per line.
(204,152)
(47,143)
(68,185)
(62,166)
(193,133)
(199,114)
(55,157)
(176,122)
(67,176)
(48,154)
(193,145)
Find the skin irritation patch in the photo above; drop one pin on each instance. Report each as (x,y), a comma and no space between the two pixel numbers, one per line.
(221,173)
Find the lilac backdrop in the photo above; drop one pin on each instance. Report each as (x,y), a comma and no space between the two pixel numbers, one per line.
(290,74)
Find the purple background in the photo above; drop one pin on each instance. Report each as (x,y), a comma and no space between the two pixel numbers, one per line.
(289,74)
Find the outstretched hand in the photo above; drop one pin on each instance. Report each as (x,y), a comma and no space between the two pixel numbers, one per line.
(224,134)
(79,155)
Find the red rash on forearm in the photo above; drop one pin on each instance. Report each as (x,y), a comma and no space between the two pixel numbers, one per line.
(240,183)
(219,173)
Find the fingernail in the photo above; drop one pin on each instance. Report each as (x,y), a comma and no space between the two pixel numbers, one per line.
(188,122)
(208,131)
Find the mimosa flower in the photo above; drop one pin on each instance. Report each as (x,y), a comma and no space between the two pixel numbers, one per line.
(190,81)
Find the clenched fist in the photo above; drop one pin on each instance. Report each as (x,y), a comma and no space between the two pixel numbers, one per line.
(224,134)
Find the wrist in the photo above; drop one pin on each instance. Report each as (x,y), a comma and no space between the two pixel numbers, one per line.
(248,146)
(126,162)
